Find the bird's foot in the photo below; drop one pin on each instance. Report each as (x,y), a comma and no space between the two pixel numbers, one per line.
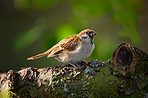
(79,65)
(76,65)
(73,65)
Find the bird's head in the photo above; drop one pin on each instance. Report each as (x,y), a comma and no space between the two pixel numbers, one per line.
(87,34)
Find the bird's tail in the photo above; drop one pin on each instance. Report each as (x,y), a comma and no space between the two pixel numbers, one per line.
(37,56)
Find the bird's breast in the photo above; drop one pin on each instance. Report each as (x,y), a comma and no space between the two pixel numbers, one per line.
(83,51)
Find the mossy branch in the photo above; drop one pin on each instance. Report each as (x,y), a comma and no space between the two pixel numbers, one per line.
(126,74)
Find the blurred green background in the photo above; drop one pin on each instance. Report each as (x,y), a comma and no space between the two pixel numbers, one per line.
(29,27)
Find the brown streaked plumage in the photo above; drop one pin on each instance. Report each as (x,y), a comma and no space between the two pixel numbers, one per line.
(68,48)
(69,43)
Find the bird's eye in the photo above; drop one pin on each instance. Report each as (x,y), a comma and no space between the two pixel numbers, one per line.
(87,32)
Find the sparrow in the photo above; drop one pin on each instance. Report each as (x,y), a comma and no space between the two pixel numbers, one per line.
(72,49)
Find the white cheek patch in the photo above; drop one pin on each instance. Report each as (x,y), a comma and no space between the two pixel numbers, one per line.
(84,37)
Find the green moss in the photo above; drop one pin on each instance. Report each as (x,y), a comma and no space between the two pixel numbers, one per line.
(72,82)
(104,84)
(139,93)
(4,94)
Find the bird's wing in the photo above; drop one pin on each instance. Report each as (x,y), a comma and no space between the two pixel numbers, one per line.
(69,43)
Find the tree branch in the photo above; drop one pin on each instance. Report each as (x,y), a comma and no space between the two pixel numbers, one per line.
(126,74)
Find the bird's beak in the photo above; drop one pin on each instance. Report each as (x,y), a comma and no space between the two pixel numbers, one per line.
(93,33)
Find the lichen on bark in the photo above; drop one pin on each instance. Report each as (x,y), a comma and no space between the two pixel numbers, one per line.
(126,74)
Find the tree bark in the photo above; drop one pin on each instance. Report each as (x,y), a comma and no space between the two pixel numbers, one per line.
(126,74)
